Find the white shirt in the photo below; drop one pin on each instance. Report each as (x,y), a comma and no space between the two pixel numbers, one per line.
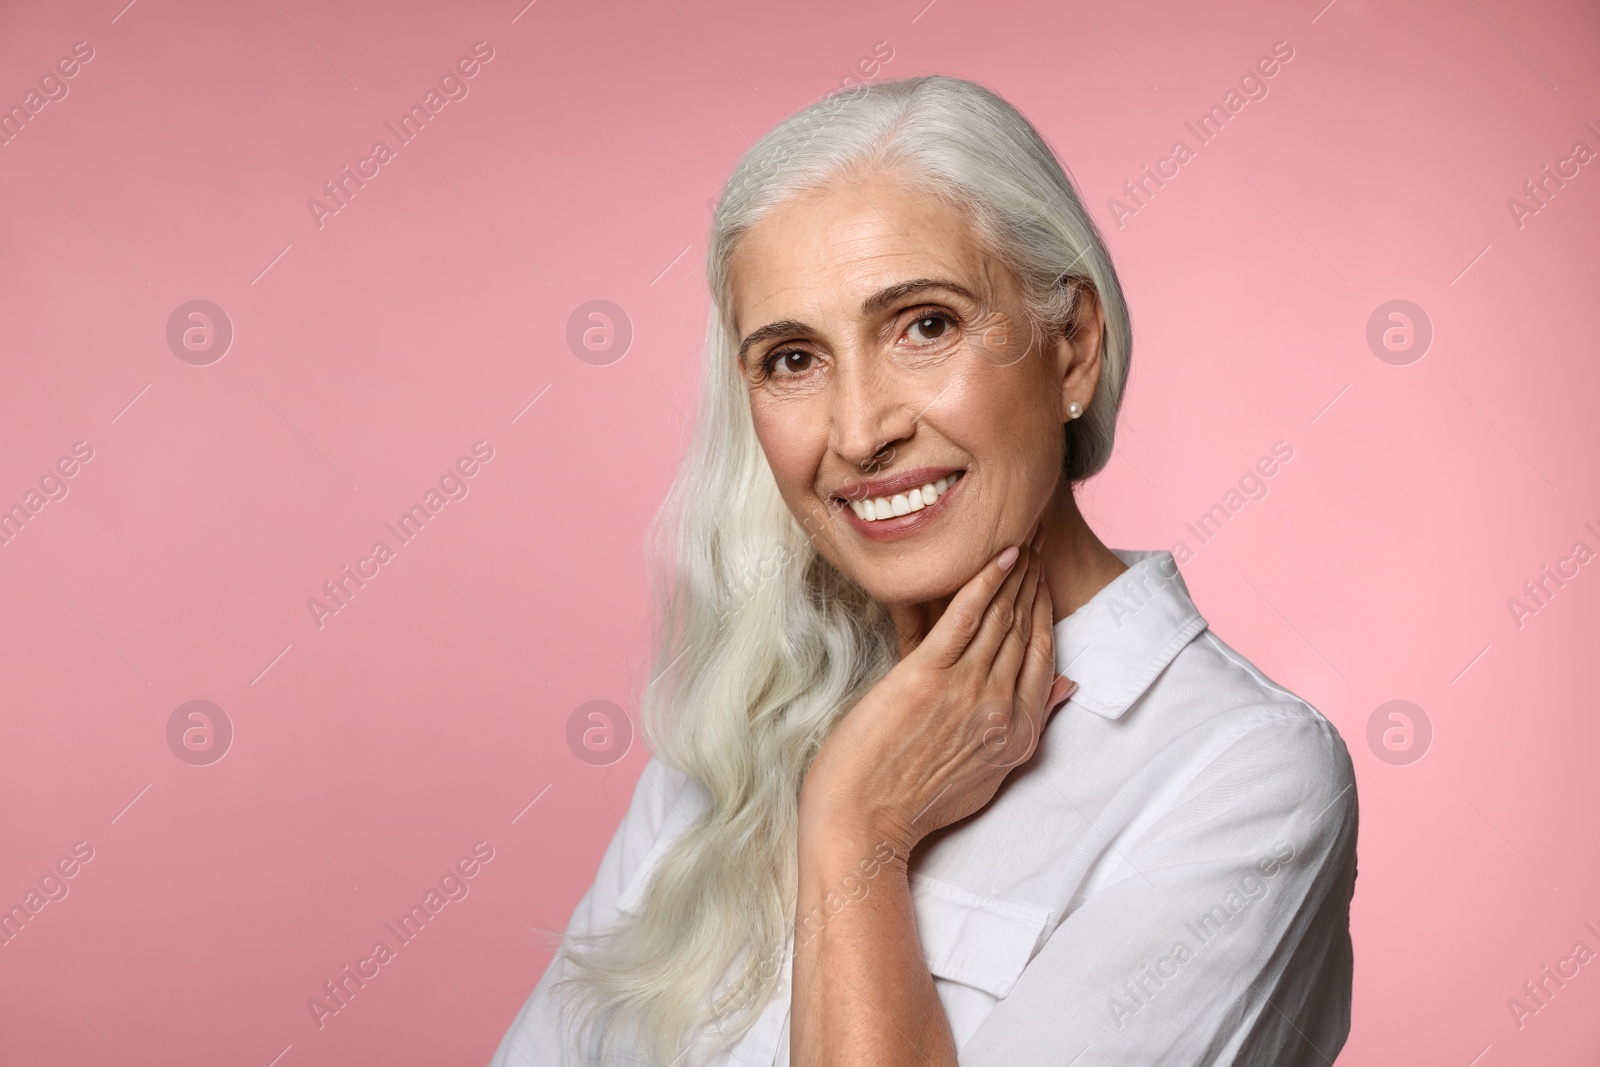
(1166,881)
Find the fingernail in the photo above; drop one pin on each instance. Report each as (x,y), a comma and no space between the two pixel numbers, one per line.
(1008,557)
(1062,688)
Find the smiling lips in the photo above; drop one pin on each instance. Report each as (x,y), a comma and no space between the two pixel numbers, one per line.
(899,498)
(890,507)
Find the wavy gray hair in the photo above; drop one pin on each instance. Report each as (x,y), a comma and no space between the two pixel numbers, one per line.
(764,645)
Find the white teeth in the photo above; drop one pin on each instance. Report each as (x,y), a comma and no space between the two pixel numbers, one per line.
(888,507)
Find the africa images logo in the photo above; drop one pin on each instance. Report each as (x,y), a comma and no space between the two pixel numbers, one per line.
(452,86)
(1252,85)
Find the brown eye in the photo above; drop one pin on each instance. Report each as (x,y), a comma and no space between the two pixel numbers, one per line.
(931,327)
(793,361)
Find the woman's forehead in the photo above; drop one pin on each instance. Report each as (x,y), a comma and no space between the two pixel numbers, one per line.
(848,241)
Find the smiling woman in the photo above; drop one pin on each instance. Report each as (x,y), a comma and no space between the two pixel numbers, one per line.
(916,351)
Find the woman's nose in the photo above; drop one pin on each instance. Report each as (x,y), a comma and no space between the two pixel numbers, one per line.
(872,414)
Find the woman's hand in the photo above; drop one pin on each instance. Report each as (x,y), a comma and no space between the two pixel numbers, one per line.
(931,742)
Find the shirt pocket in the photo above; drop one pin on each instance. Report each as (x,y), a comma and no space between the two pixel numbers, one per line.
(977,941)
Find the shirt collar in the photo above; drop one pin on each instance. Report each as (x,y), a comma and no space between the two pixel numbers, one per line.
(1116,644)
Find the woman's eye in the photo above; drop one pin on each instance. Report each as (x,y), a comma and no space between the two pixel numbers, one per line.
(931,327)
(794,361)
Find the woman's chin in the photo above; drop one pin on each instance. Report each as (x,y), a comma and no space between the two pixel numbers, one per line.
(913,587)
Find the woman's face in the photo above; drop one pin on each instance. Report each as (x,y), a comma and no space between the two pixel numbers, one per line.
(886,352)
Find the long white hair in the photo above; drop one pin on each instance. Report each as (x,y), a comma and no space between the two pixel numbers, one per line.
(763,644)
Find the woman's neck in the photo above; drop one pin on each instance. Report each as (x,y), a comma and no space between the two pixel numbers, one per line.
(1077,563)
(1077,566)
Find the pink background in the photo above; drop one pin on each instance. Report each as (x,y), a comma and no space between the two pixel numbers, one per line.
(372,352)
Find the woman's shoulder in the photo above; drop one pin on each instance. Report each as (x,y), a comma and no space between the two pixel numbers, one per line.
(663,796)
(666,800)
(1234,716)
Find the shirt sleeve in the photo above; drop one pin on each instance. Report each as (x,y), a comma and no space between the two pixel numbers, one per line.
(539,1036)
(1223,935)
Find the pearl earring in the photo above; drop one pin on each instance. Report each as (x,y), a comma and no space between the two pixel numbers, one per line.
(1074,409)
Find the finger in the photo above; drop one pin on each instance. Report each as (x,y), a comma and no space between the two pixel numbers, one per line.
(1038,671)
(1011,644)
(1014,637)
(1061,687)
(1060,692)
(1030,702)
(949,637)
(1030,593)
(1000,616)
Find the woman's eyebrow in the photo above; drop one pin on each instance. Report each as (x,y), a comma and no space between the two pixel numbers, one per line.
(782,328)
(880,300)
(872,305)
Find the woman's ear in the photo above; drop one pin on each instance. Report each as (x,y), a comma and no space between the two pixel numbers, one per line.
(1078,348)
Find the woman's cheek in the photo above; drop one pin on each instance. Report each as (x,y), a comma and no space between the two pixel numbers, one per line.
(785,437)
